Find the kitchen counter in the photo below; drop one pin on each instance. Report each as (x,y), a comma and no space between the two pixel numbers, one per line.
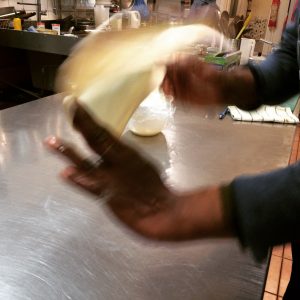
(58,243)
(43,53)
(45,43)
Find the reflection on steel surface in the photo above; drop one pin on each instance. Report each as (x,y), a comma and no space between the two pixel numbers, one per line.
(57,243)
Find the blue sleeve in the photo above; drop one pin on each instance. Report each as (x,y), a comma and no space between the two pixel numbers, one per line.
(266,209)
(278,76)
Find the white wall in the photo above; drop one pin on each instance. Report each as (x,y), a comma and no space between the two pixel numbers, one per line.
(46,5)
(262,9)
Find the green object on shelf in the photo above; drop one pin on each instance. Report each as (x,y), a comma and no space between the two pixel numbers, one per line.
(224,60)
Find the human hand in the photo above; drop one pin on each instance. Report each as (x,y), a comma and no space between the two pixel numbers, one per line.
(190,80)
(134,190)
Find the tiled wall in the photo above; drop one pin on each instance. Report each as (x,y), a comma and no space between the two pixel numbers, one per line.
(262,9)
(48,5)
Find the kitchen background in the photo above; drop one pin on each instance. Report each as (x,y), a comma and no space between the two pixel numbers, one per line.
(38,67)
(260,11)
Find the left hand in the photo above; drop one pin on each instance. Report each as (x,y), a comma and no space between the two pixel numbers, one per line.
(133,187)
(135,192)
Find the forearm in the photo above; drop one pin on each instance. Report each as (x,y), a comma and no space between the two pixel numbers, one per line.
(261,210)
(277,76)
(239,88)
(271,82)
(202,214)
(266,208)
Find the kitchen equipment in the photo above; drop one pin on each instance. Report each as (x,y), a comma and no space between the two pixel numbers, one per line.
(101,11)
(7,12)
(11,13)
(232,30)
(17,24)
(39,11)
(82,24)
(238,26)
(115,21)
(132,19)
(142,8)
(244,26)
(247,49)
(26,16)
(224,22)
(56,27)
(5,23)
(125,4)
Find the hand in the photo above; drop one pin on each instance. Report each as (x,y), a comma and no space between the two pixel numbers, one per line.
(134,189)
(190,80)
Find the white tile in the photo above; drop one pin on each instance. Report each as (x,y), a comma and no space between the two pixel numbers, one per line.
(4,3)
(12,3)
(44,5)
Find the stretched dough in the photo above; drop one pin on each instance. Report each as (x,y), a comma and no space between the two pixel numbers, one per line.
(111,73)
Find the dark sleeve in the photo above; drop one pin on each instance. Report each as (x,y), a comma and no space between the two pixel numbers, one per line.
(265,209)
(278,76)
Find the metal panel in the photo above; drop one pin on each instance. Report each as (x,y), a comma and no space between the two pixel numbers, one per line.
(57,243)
(37,42)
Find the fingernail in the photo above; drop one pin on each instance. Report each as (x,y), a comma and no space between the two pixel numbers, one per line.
(68,172)
(52,140)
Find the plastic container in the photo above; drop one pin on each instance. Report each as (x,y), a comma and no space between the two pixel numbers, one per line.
(56,27)
(101,12)
(142,8)
(17,24)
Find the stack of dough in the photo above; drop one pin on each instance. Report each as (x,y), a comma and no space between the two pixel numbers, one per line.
(111,73)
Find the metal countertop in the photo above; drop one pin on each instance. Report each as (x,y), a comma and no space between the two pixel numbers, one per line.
(47,43)
(57,243)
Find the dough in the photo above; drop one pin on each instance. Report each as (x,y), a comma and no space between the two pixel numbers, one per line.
(153,114)
(111,73)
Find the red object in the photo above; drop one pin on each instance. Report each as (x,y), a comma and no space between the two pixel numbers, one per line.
(293,16)
(274,13)
(294,10)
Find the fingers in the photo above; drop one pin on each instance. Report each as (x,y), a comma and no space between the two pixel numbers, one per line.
(67,151)
(85,174)
(95,182)
(100,139)
(178,74)
(167,86)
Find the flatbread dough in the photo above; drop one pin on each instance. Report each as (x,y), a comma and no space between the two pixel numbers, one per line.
(111,73)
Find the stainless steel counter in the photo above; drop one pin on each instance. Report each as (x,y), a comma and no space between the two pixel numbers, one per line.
(45,43)
(57,243)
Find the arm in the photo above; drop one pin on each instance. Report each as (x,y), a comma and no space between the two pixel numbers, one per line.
(192,81)
(273,81)
(278,76)
(266,208)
